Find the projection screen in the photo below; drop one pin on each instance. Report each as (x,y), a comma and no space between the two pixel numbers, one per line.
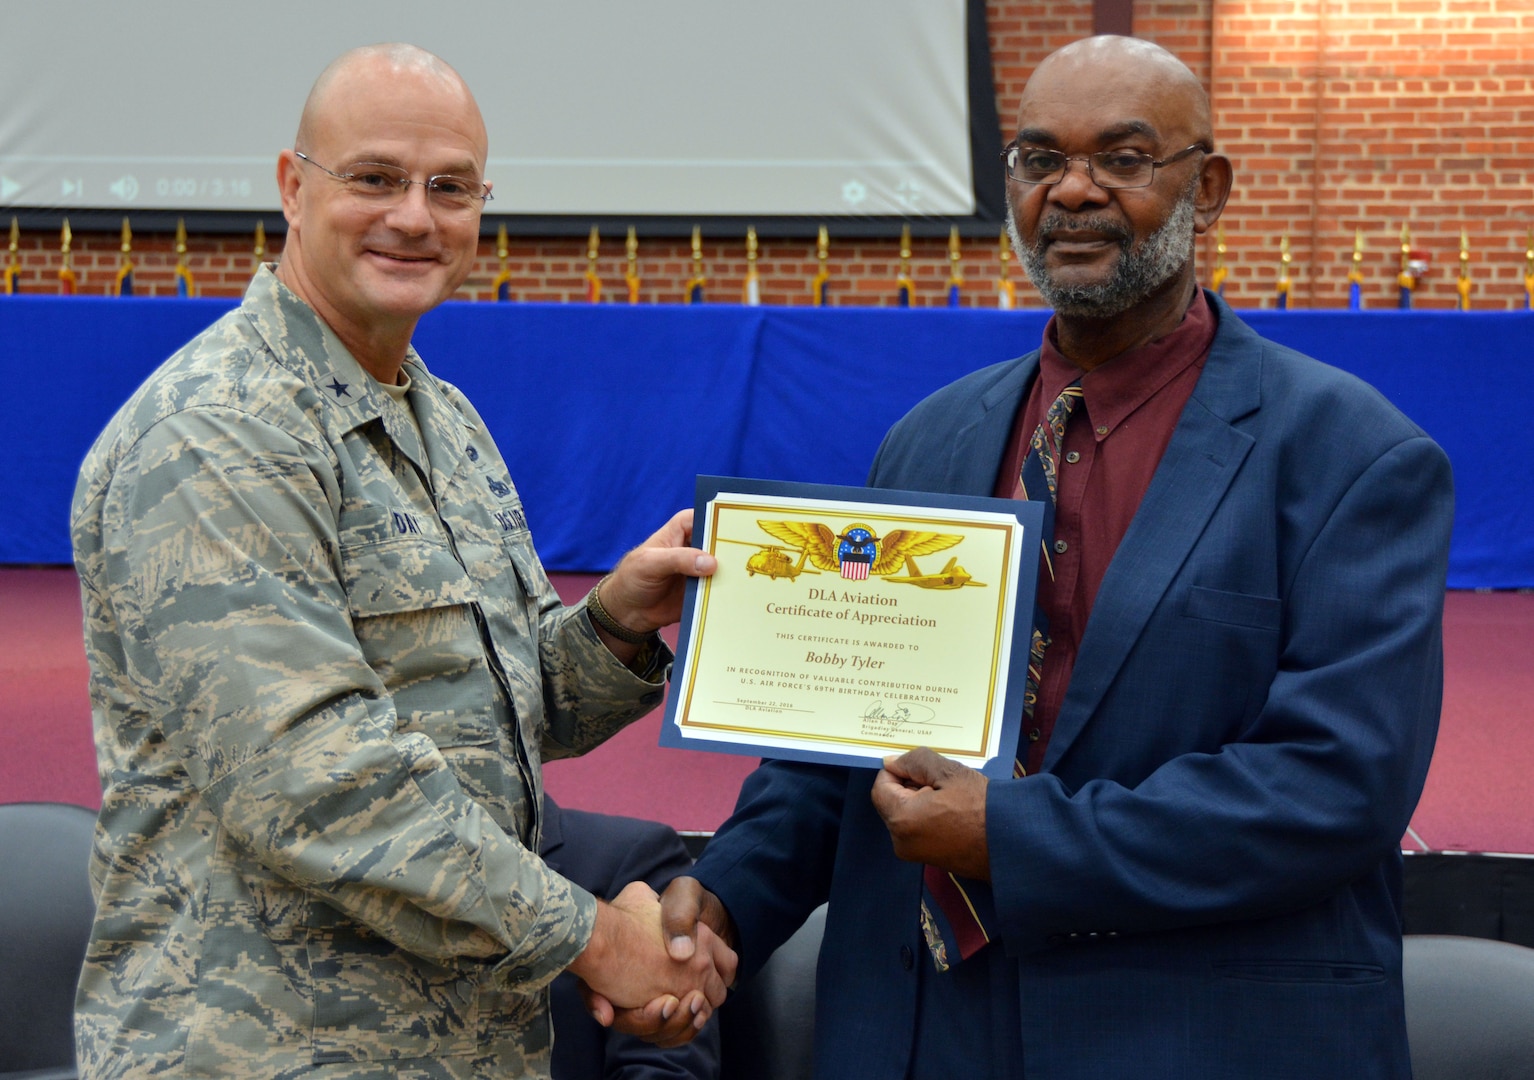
(644,107)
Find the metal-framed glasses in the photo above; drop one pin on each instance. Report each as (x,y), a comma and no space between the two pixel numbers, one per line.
(387,184)
(1107,168)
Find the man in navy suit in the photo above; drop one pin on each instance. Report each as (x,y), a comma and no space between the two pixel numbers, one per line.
(1197,871)
(602,853)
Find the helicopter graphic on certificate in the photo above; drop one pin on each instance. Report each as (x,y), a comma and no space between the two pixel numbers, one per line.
(844,624)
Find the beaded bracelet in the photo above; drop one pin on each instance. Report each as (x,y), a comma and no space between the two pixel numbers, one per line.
(600,616)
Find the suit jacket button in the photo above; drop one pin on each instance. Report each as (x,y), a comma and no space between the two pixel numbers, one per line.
(907,957)
(1056,939)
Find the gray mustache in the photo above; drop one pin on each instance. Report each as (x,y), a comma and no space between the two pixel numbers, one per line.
(1057,222)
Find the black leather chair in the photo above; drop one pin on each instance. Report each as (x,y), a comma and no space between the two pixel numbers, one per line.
(45,921)
(1469,1008)
(767,1028)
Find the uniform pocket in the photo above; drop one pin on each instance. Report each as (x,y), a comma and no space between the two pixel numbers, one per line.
(412,610)
(386,568)
(375,1002)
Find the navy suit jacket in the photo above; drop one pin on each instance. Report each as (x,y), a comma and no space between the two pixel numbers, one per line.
(602,853)
(1205,878)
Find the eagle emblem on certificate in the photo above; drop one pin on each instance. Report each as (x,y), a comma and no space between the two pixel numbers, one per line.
(857,551)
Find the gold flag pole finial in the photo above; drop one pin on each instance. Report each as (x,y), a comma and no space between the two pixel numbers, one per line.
(593,279)
(1462,285)
(8,286)
(1283,273)
(67,278)
(1006,291)
(500,285)
(905,288)
(1356,273)
(259,251)
(1528,267)
(631,274)
(955,274)
(1220,273)
(822,276)
(123,284)
(751,291)
(693,294)
(185,284)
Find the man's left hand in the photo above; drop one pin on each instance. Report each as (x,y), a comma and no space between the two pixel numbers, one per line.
(935,811)
(644,592)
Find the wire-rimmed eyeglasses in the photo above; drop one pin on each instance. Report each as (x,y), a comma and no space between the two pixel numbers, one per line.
(382,183)
(1107,168)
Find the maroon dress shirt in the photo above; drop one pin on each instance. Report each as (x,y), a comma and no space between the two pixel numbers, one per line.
(1113,442)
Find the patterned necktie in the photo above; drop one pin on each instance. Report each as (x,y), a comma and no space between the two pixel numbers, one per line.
(955,913)
(1037,483)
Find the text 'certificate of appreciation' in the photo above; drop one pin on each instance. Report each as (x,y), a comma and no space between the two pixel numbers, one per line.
(844,624)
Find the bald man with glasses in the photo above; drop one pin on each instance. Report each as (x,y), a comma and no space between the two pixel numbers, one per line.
(326,663)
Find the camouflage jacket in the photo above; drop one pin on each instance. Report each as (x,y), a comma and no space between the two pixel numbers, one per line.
(325,667)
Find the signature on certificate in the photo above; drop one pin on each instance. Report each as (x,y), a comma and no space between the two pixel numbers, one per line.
(898,715)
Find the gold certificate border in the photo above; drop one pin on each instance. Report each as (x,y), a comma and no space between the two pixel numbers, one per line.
(999,646)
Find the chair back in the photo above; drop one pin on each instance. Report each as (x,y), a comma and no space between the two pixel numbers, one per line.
(767,1028)
(1469,1008)
(45,921)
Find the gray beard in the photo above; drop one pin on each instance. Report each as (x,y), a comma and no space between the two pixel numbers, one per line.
(1141,269)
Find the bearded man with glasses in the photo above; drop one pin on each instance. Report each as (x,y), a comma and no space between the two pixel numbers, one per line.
(1195,870)
(326,663)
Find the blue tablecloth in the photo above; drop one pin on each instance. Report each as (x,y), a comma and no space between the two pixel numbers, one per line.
(606,413)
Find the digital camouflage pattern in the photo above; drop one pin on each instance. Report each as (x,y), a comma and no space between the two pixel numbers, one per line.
(326,665)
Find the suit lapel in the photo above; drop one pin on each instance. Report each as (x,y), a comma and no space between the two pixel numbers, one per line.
(976,449)
(1195,473)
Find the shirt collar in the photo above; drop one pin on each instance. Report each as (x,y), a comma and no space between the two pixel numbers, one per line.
(1115,389)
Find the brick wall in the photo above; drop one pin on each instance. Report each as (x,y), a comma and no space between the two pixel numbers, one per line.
(1338,115)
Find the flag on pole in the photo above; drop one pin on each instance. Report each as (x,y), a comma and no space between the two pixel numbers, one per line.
(905,288)
(1217,279)
(631,274)
(693,290)
(1528,268)
(822,278)
(593,279)
(1282,299)
(1356,275)
(1006,291)
(123,286)
(500,285)
(9,283)
(1406,280)
(186,285)
(1462,285)
(67,279)
(751,292)
(955,276)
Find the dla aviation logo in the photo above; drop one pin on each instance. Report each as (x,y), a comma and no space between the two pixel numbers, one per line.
(856,553)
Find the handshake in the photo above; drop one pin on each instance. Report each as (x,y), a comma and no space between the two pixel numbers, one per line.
(654,969)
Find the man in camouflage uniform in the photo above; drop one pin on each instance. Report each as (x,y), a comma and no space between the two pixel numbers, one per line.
(326,662)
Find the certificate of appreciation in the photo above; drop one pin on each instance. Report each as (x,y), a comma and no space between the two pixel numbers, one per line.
(844,624)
